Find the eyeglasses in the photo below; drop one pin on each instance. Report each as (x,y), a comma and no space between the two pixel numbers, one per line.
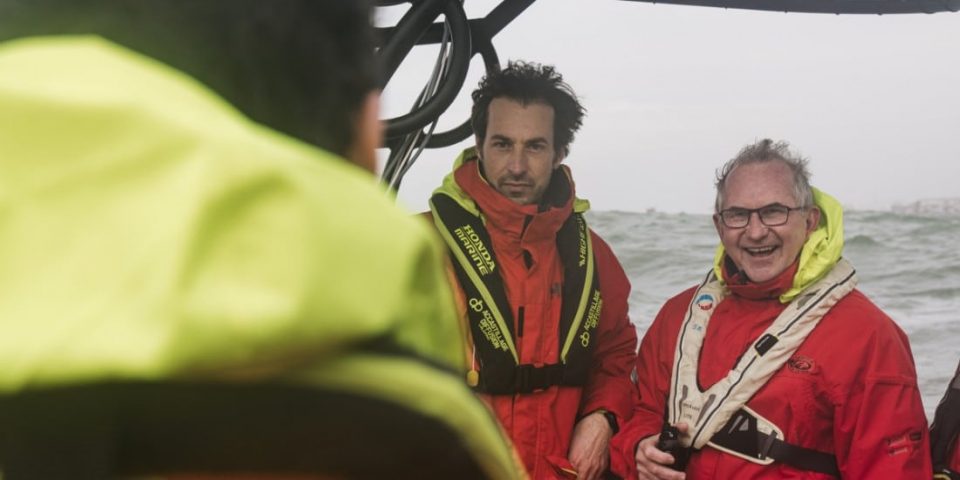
(770,215)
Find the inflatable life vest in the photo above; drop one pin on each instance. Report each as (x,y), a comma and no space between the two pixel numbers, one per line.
(718,416)
(490,314)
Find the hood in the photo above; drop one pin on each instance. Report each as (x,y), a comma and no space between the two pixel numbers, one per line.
(820,253)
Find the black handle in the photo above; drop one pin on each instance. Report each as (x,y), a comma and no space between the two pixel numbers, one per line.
(670,442)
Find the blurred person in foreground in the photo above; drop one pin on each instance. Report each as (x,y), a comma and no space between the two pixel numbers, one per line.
(775,366)
(200,274)
(552,347)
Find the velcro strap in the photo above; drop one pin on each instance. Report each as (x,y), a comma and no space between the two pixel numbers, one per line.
(798,457)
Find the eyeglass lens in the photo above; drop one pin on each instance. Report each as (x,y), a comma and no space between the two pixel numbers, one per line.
(770,215)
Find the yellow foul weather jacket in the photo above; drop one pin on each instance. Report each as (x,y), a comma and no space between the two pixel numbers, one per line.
(151,232)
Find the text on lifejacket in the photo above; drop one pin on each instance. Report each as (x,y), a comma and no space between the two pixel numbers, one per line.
(474,246)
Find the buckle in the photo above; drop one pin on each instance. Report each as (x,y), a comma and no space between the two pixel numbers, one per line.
(766,443)
(530,378)
(521,377)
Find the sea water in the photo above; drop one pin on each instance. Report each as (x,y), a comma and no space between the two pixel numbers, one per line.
(909,265)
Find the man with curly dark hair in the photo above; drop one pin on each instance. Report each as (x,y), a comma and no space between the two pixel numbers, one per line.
(544,296)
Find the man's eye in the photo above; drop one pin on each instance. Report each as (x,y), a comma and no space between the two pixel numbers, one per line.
(536,147)
(773,210)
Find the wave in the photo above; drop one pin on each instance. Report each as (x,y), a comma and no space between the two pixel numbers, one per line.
(862,241)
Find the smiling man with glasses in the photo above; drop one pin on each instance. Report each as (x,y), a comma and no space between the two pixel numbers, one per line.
(775,365)
(766,247)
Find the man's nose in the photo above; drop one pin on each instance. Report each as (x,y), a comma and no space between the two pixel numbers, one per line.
(755,228)
(517,163)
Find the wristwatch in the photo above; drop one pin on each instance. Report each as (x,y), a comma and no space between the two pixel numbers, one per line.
(611,419)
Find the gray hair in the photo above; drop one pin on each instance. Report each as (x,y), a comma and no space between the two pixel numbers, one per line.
(764,151)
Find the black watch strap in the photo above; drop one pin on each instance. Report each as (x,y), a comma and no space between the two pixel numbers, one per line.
(612,420)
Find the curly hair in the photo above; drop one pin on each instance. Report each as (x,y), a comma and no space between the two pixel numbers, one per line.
(528,82)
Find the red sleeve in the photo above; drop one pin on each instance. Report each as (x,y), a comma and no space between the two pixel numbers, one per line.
(955,459)
(609,386)
(654,367)
(880,429)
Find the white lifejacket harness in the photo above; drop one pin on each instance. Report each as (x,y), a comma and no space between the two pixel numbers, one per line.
(718,416)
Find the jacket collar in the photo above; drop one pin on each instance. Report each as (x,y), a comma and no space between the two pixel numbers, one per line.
(532,223)
(740,285)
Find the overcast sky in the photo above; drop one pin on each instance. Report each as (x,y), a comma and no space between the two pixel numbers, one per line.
(673,91)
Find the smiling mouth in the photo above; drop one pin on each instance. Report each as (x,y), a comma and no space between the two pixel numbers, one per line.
(761,251)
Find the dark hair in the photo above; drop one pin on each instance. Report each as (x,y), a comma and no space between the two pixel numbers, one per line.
(764,151)
(302,67)
(529,83)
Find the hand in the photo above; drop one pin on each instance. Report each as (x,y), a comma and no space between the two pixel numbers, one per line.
(589,444)
(651,462)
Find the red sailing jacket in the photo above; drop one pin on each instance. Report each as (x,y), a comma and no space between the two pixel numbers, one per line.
(850,389)
(541,423)
(955,460)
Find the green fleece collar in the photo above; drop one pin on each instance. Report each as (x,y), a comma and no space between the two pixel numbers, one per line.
(820,252)
(450,188)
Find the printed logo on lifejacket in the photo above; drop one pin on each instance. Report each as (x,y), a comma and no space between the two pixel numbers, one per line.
(705,301)
(593,314)
(593,318)
(488,325)
(474,246)
(583,243)
(692,413)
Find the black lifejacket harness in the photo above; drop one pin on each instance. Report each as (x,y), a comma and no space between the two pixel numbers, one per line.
(945,431)
(742,436)
(491,316)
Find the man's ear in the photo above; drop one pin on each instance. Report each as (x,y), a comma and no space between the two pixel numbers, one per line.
(479,143)
(558,159)
(368,133)
(717,224)
(813,219)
